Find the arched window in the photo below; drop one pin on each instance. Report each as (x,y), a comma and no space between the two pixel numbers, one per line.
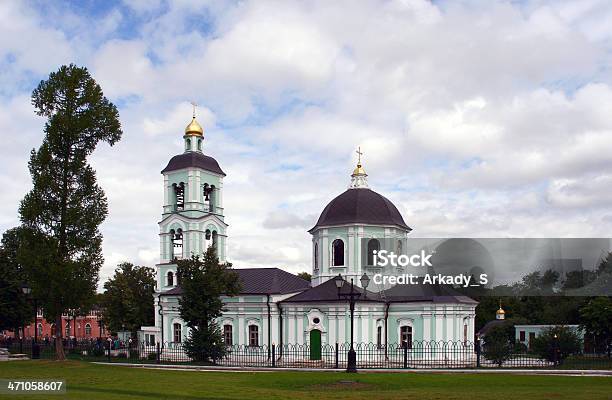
(187,144)
(399,247)
(379,333)
(53,333)
(87,329)
(227,335)
(316,256)
(212,198)
(179,195)
(67,329)
(465,331)
(406,336)
(40,329)
(199,144)
(170,279)
(176,329)
(215,241)
(177,243)
(337,252)
(373,245)
(253,335)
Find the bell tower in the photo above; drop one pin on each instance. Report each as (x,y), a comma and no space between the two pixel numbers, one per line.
(192,216)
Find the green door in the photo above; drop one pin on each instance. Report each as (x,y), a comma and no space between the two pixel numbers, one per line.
(315,344)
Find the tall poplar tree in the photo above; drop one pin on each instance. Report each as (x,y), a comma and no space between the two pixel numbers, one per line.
(61,214)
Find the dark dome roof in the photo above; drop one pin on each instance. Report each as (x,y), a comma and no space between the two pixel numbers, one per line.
(360,206)
(193,159)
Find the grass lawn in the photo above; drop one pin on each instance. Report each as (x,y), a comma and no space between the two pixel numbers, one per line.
(91,381)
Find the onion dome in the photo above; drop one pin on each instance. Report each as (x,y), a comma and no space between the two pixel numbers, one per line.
(500,313)
(194,128)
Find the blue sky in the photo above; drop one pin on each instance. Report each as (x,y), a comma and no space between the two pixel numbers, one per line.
(476,118)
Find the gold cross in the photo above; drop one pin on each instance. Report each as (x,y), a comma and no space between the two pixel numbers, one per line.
(193,103)
(359,153)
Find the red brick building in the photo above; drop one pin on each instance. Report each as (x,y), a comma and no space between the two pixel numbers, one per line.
(81,327)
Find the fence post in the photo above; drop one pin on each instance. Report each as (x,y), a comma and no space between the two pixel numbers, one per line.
(109,349)
(273,355)
(405,355)
(336,357)
(157,353)
(478,352)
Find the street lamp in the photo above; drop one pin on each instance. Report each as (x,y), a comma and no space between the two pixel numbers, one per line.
(352,297)
(161,318)
(35,348)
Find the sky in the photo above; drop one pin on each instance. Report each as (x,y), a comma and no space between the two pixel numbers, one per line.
(476,118)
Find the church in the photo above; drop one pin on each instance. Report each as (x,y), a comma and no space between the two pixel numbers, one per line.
(277,307)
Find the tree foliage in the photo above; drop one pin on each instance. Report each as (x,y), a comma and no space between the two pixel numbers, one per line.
(556,344)
(498,347)
(127,302)
(61,214)
(596,319)
(203,282)
(305,275)
(15,309)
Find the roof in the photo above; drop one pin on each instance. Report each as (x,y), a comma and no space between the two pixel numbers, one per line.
(363,206)
(262,281)
(426,293)
(328,292)
(193,159)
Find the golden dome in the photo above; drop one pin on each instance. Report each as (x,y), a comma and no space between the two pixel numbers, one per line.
(359,170)
(500,311)
(194,128)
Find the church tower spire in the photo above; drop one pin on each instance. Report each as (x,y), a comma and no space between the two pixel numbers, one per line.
(359,178)
(194,134)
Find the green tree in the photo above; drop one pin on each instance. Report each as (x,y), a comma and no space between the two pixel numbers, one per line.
(596,319)
(15,309)
(305,275)
(556,344)
(62,247)
(203,282)
(498,347)
(127,302)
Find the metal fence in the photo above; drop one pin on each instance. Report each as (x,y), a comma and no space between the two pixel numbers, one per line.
(415,355)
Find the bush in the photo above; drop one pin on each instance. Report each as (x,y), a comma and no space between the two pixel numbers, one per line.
(556,344)
(498,347)
(152,357)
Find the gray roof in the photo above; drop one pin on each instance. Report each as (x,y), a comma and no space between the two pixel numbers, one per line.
(263,281)
(363,206)
(426,293)
(328,292)
(193,159)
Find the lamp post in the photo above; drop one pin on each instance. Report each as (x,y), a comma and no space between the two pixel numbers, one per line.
(35,348)
(161,319)
(352,297)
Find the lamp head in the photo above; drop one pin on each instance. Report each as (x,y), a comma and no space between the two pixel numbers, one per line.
(339,282)
(365,280)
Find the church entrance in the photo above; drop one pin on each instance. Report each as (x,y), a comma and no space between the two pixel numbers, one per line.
(315,344)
